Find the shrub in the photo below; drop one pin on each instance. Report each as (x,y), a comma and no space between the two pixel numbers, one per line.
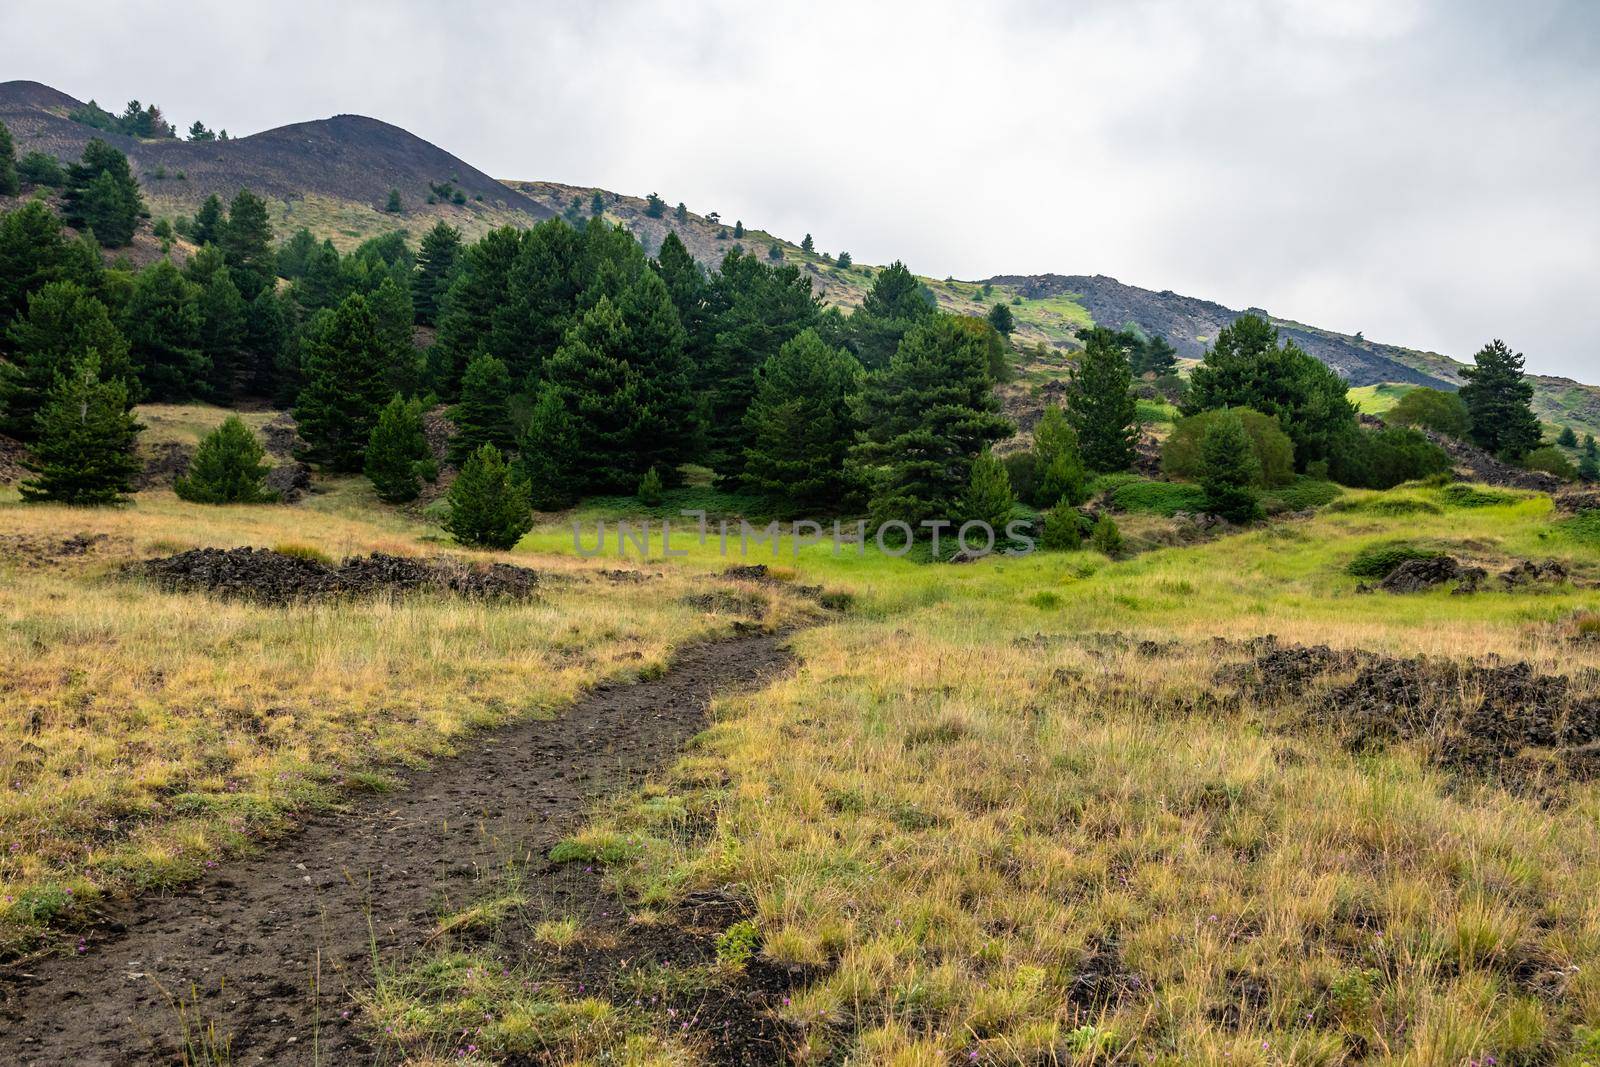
(1383,459)
(1378,561)
(227,468)
(1551,460)
(1302,493)
(1106,538)
(1431,409)
(1182,454)
(488,502)
(1022,469)
(1158,498)
(396,450)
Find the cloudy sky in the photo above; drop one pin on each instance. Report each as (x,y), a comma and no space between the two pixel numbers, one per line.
(1426,171)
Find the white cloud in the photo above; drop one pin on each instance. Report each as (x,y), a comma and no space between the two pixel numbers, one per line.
(1421,170)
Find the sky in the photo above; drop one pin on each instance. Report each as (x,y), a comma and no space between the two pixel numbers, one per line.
(1424,171)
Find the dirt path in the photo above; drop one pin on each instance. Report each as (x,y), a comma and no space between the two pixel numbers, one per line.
(268,949)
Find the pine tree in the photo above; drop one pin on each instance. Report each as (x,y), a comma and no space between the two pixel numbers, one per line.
(655,207)
(38,168)
(209,222)
(395,448)
(1229,470)
(436,261)
(1001,318)
(488,502)
(84,454)
(800,424)
(738,229)
(546,286)
(895,304)
(247,244)
(1061,476)
(600,391)
(1106,537)
(324,283)
(988,497)
(228,468)
(222,327)
(163,323)
(1100,403)
(10,184)
(102,195)
(1590,449)
(928,415)
(483,414)
(597,204)
(665,428)
(345,367)
(1567,438)
(198,132)
(1062,530)
(393,314)
(690,293)
(1589,468)
(34,251)
(295,253)
(266,333)
(478,293)
(1247,367)
(681,212)
(394,206)
(807,244)
(548,452)
(1156,356)
(650,489)
(1498,398)
(61,324)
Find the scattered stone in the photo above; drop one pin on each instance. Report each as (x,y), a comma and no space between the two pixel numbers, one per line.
(1527,572)
(167,462)
(277,578)
(1417,575)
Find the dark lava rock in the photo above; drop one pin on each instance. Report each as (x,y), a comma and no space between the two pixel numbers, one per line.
(1528,572)
(290,479)
(1416,575)
(277,578)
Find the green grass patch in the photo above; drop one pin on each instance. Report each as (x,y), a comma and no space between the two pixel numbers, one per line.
(1460,495)
(1301,494)
(1158,498)
(1583,527)
(1379,561)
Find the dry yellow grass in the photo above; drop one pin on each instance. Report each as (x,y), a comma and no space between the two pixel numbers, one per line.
(146,733)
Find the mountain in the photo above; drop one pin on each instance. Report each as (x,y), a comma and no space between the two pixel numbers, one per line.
(334,175)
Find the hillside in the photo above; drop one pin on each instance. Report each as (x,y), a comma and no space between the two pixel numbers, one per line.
(332,175)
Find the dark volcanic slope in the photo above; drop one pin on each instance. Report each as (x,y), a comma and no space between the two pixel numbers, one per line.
(347,157)
(1190,323)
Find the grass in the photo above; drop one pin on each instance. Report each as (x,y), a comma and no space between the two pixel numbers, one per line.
(147,735)
(1377,399)
(1003,836)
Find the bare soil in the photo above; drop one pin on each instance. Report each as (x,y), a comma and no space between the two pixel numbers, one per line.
(270,950)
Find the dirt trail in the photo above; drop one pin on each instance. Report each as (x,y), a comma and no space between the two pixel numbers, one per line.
(246,947)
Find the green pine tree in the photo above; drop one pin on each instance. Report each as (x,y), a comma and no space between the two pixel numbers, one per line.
(1059,465)
(228,468)
(800,424)
(222,326)
(488,502)
(1498,399)
(61,323)
(345,370)
(1229,470)
(266,335)
(1100,403)
(600,390)
(479,293)
(483,414)
(247,244)
(10,183)
(163,322)
(927,416)
(394,205)
(807,245)
(394,315)
(436,262)
(988,497)
(1590,449)
(681,212)
(84,452)
(1063,532)
(548,452)
(655,207)
(895,304)
(34,251)
(209,222)
(1589,468)
(1001,318)
(1106,537)
(395,449)
(845,261)
(102,195)
(649,491)
(1567,438)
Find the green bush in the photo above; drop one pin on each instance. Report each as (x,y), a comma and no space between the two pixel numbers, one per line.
(227,468)
(1383,459)
(1063,529)
(1304,492)
(1378,561)
(1431,409)
(649,493)
(1551,460)
(1106,538)
(1181,454)
(489,504)
(1158,498)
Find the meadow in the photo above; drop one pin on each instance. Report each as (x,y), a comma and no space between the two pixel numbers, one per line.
(1017,812)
